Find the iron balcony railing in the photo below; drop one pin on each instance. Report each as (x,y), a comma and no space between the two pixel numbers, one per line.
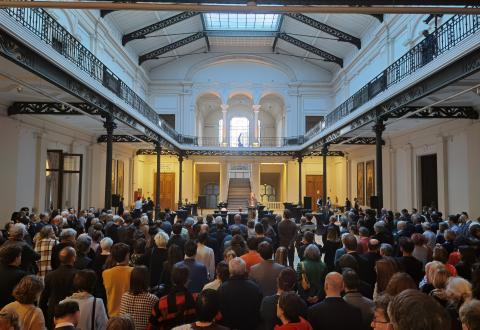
(51,32)
(265,142)
(445,37)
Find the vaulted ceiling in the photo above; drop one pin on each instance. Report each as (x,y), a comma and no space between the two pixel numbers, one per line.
(158,38)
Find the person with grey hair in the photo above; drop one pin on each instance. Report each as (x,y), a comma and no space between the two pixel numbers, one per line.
(158,257)
(67,238)
(240,298)
(311,271)
(382,233)
(82,246)
(386,250)
(237,221)
(16,234)
(429,234)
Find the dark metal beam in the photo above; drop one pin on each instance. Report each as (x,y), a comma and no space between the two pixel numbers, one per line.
(43,108)
(141,33)
(440,112)
(168,48)
(314,50)
(105,12)
(378,16)
(126,139)
(152,152)
(359,140)
(340,35)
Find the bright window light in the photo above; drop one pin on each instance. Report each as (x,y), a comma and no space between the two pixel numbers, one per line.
(241,22)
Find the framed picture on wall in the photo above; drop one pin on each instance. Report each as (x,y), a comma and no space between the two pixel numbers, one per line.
(114,176)
(120,178)
(370,175)
(361,183)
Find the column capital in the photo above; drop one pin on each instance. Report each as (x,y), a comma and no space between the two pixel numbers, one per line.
(224,107)
(109,124)
(256,107)
(379,126)
(158,147)
(325,149)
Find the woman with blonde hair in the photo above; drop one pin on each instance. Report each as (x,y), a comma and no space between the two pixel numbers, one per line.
(458,291)
(426,285)
(27,293)
(439,282)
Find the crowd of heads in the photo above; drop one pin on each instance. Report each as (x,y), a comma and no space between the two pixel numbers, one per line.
(402,270)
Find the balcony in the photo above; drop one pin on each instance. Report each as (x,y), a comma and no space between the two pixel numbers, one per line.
(444,38)
(48,30)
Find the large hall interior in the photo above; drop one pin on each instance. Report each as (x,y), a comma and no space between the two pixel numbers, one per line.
(357,121)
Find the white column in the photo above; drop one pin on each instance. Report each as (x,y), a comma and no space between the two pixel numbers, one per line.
(256,109)
(442,174)
(39,173)
(224,128)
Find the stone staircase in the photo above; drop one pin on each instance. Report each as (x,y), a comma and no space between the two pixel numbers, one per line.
(238,194)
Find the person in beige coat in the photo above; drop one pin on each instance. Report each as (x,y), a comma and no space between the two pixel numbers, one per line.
(26,293)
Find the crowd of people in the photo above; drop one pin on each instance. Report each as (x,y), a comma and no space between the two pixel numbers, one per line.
(359,270)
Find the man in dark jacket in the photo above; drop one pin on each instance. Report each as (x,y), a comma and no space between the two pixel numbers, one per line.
(58,283)
(334,313)
(410,265)
(10,272)
(287,232)
(197,275)
(240,298)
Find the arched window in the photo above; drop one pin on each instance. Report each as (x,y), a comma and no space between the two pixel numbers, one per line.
(239,132)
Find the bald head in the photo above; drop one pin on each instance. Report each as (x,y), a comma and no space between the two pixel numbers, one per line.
(204,228)
(333,284)
(67,256)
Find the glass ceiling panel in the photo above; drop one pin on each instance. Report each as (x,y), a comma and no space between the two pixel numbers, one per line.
(241,22)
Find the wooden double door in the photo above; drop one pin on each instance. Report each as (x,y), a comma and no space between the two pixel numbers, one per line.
(314,188)
(167,190)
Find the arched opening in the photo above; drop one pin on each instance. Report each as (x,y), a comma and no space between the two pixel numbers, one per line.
(239,132)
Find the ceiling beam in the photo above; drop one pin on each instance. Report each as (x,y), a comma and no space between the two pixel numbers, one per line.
(378,16)
(51,108)
(312,49)
(168,48)
(340,35)
(105,12)
(141,33)
(445,112)
(126,138)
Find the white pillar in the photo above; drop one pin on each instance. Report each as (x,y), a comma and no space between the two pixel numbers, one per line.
(256,109)
(40,172)
(224,128)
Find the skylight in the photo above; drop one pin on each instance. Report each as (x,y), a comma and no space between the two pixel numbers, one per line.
(241,22)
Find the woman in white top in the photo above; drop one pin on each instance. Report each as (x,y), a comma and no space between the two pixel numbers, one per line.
(205,255)
(26,293)
(92,310)
(222,274)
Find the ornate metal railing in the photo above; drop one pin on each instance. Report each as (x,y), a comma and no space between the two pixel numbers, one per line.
(43,25)
(265,142)
(445,37)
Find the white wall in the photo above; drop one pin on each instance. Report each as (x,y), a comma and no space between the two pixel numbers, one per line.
(458,161)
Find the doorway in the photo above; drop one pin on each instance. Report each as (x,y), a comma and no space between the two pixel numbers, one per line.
(63,184)
(428,180)
(167,190)
(314,187)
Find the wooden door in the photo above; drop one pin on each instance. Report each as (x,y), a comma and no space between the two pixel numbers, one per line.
(314,184)
(167,190)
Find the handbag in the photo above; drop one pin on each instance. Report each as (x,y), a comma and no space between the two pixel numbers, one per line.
(305,283)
